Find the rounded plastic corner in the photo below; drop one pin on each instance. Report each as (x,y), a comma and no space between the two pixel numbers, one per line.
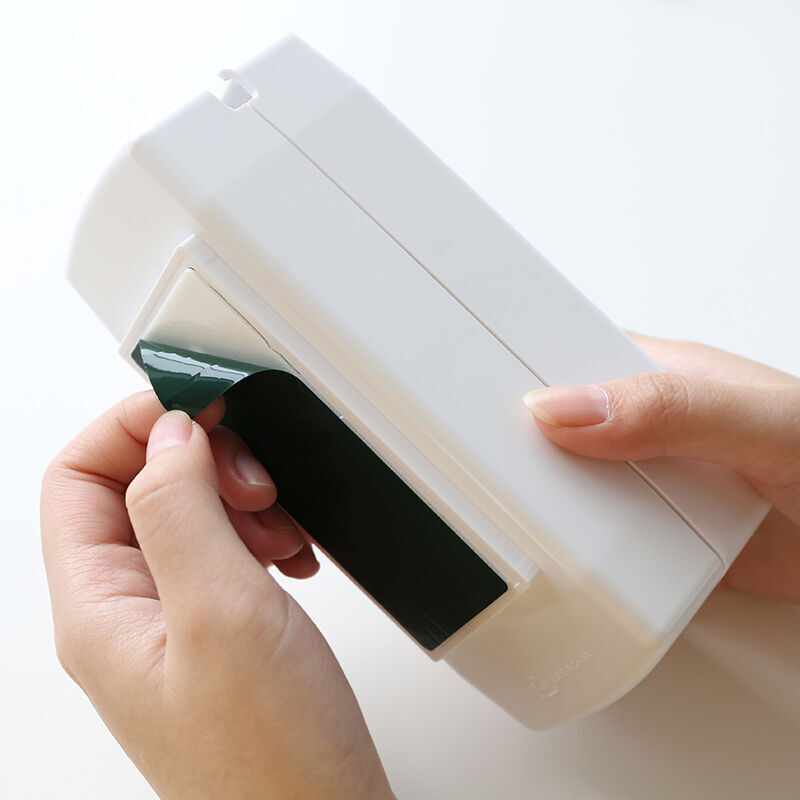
(126,233)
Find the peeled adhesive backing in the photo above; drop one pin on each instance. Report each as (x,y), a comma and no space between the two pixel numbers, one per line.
(186,380)
(352,504)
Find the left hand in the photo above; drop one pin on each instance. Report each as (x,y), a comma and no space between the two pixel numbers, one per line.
(209,674)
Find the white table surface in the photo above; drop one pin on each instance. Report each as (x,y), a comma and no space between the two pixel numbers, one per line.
(649,148)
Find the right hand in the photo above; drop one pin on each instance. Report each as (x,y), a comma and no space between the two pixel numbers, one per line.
(208,673)
(708,405)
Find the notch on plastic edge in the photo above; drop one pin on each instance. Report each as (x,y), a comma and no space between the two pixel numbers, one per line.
(232,92)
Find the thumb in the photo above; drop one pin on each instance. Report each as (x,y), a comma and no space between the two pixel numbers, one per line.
(753,428)
(200,566)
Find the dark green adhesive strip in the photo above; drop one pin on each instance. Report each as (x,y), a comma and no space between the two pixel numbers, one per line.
(348,499)
(189,381)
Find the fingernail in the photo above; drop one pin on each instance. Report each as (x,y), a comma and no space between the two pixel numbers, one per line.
(172,429)
(250,469)
(569,406)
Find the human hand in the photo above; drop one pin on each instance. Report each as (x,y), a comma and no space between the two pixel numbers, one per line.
(207,672)
(708,405)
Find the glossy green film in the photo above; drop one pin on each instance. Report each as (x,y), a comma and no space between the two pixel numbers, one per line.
(346,497)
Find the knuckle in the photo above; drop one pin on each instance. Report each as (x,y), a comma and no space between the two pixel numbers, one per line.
(649,410)
(205,628)
(159,493)
(69,644)
(66,657)
(55,476)
(665,399)
(196,627)
(219,629)
(268,621)
(782,465)
(85,634)
(254,614)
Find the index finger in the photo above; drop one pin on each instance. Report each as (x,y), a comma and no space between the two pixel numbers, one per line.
(706,361)
(83,515)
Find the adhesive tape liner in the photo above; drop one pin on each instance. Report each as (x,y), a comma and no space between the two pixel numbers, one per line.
(354,506)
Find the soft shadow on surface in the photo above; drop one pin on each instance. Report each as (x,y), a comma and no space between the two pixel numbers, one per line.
(718,718)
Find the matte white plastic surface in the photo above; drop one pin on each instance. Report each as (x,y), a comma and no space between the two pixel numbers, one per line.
(421,317)
(188,308)
(477,257)
(405,343)
(197,318)
(128,231)
(524,646)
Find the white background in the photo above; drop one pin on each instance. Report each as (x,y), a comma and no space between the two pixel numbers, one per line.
(649,148)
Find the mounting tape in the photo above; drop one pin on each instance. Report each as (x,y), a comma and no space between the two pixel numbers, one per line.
(353,505)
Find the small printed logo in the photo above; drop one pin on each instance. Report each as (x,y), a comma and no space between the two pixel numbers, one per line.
(543,687)
(548,687)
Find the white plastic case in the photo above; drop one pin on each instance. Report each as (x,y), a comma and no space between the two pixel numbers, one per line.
(307,229)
